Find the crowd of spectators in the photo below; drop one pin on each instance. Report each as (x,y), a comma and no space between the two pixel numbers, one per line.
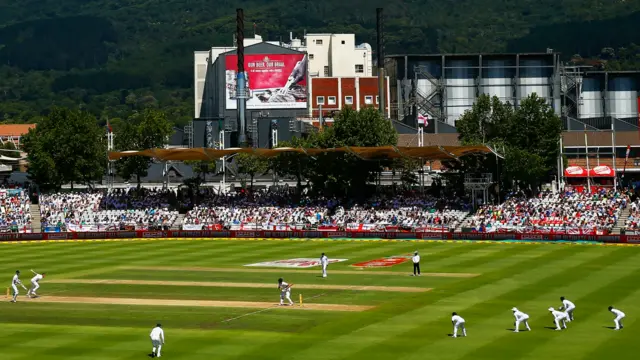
(284,210)
(15,209)
(570,212)
(100,210)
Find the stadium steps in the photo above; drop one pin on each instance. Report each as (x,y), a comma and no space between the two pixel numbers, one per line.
(36,225)
(463,222)
(621,220)
(177,225)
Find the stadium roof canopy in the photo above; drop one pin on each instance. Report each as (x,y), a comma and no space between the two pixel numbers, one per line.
(365,153)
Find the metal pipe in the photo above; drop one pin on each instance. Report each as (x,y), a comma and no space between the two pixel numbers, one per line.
(240,80)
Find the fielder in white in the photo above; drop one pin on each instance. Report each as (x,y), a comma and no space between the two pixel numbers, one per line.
(35,284)
(559,316)
(157,340)
(16,281)
(520,317)
(458,322)
(285,291)
(568,307)
(619,316)
(324,260)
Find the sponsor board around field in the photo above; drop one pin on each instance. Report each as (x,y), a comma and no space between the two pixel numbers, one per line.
(294,263)
(383,262)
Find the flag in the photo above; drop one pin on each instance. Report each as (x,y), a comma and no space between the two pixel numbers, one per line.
(423,120)
(626,158)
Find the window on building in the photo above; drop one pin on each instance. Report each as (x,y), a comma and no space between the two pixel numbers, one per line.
(319,42)
(326,71)
(368,100)
(331,100)
(343,42)
(311,56)
(348,100)
(359,69)
(377,99)
(320,100)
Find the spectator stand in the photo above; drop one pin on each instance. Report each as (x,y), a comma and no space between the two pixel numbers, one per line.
(478,185)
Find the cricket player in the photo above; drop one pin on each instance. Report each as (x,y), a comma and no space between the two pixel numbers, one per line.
(157,340)
(416,264)
(16,281)
(35,284)
(558,316)
(324,260)
(458,322)
(619,316)
(568,307)
(520,317)
(285,291)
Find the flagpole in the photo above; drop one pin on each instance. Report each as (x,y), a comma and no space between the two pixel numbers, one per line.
(586,150)
(613,145)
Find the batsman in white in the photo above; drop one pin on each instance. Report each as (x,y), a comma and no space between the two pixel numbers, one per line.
(520,317)
(568,307)
(324,261)
(619,316)
(559,316)
(14,282)
(35,284)
(285,291)
(157,340)
(458,322)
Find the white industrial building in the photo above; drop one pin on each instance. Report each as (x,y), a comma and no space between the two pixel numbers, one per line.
(330,55)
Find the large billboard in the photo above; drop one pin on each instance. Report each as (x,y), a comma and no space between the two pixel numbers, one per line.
(276,81)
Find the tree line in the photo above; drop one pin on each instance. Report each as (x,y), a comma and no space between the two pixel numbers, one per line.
(69,147)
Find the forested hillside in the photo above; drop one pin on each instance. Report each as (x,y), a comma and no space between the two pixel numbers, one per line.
(115,56)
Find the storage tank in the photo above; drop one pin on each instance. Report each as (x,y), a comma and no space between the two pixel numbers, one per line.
(535,77)
(590,102)
(497,79)
(460,88)
(623,95)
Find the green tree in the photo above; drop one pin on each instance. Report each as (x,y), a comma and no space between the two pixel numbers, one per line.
(202,168)
(67,146)
(251,165)
(292,164)
(143,130)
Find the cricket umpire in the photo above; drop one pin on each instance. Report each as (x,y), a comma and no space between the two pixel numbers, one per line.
(416,264)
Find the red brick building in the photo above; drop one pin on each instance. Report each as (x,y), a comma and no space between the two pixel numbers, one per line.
(334,93)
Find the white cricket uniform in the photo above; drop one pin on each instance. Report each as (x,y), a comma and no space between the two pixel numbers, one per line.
(568,307)
(35,284)
(521,317)
(14,285)
(618,320)
(560,316)
(458,322)
(324,260)
(285,293)
(157,339)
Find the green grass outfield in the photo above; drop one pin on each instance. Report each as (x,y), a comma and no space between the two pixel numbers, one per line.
(400,324)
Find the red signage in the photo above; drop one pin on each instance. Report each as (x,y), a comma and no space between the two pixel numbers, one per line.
(602,171)
(276,81)
(385,262)
(575,171)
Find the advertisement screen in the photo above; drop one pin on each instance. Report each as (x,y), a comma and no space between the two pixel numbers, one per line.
(275,81)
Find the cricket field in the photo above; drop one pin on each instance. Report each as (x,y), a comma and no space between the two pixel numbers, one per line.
(99,300)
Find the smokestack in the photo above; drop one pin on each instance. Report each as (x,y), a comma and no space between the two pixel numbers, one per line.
(380,46)
(241,91)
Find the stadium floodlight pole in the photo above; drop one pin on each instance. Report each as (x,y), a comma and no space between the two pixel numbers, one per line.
(241,91)
(224,160)
(380,59)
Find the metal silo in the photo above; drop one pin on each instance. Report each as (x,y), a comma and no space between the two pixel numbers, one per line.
(535,77)
(497,79)
(623,94)
(460,88)
(591,101)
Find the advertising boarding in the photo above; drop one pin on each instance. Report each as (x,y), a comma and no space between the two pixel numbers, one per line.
(276,81)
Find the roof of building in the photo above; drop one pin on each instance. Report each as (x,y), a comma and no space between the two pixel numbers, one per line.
(264,48)
(15,129)
(472,54)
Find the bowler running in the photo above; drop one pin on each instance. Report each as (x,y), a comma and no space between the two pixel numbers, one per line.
(458,322)
(520,317)
(14,282)
(35,284)
(285,291)
(619,316)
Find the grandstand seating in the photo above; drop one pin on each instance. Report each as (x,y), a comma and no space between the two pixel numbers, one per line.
(14,206)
